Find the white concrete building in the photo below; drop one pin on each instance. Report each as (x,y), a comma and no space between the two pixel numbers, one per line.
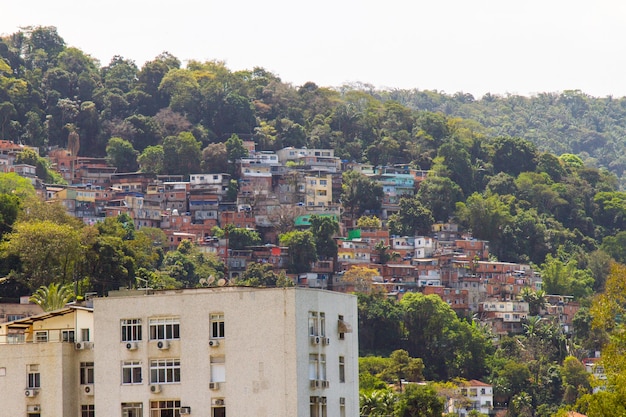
(266,352)
(249,351)
(47,364)
(471,395)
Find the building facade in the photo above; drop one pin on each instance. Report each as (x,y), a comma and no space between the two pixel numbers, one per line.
(205,352)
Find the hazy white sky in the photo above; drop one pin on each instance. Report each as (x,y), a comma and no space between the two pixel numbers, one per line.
(477,46)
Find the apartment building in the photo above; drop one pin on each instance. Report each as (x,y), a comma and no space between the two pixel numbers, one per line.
(206,351)
(246,351)
(47,364)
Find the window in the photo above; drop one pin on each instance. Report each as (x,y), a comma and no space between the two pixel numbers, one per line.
(86,373)
(313,322)
(164,329)
(131,372)
(13,317)
(322,369)
(164,371)
(132,409)
(313,363)
(87,410)
(41,337)
(131,330)
(217,326)
(67,336)
(342,333)
(165,408)
(323,182)
(314,407)
(342,369)
(218,369)
(84,334)
(322,324)
(219,411)
(34,378)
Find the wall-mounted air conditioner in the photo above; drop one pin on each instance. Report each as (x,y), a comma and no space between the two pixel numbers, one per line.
(163,344)
(88,389)
(31,392)
(214,343)
(315,340)
(214,385)
(132,345)
(155,389)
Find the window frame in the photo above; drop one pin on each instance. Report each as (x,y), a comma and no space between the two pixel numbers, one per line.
(157,407)
(132,370)
(87,410)
(342,369)
(86,373)
(33,376)
(165,371)
(164,328)
(218,325)
(132,409)
(131,330)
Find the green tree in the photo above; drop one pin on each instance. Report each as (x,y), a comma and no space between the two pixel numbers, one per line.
(369,222)
(48,252)
(323,229)
(448,346)
(121,154)
(152,159)
(420,401)
(412,219)
(12,183)
(513,155)
(9,209)
(302,250)
(485,217)
(235,148)
(439,195)
(238,237)
(360,194)
(53,297)
(575,379)
(262,275)
(182,154)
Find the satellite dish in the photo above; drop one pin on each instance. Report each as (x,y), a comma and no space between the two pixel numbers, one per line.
(221,282)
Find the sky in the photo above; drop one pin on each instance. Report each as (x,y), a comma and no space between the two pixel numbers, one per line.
(477,47)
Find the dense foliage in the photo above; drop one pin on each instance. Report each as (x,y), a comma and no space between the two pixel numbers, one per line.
(539,177)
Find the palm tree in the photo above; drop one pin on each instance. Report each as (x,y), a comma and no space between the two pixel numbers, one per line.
(52,297)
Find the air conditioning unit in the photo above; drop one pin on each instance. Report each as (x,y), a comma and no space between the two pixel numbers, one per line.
(33,408)
(315,383)
(326,341)
(219,401)
(163,344)
(155,389)
(132,345)
(342,401)
(325,384)
(214,343)
(185,410)
(214,385)
(88,389)
(323,400)
(31,392)
(79,346)
(315,340)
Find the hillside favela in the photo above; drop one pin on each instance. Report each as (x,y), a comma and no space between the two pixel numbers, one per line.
(184,239)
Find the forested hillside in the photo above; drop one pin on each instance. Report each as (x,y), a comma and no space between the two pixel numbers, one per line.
(538,177)
(568,122)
